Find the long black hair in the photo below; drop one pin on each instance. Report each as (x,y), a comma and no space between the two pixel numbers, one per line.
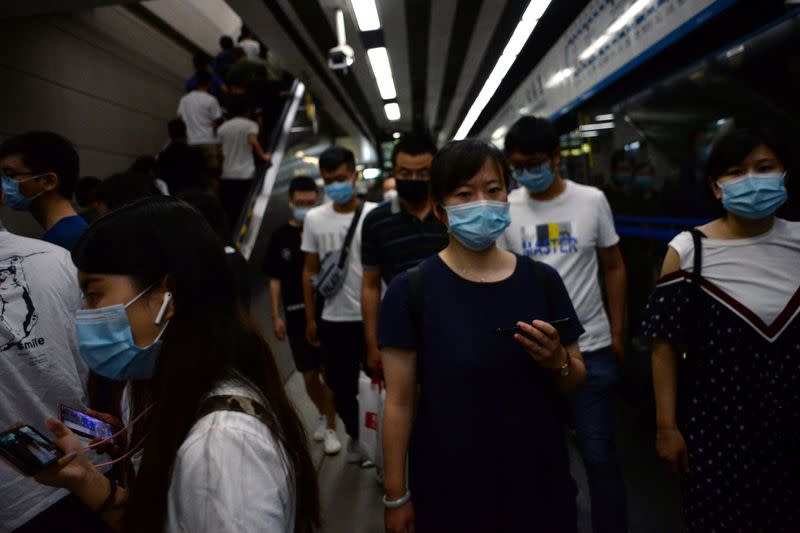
(209,339)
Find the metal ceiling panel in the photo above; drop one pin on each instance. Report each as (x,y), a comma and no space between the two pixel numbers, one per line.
(443,14)
(393,20)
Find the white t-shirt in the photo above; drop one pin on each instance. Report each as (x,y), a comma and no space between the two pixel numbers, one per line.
(251,48)
(237,162)
(230,475)
(199,110)
(324,231)
(757,273)
(40,366)
(565,233)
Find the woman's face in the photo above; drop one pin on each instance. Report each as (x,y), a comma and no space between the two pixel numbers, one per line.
(762,160)
(487,184)
(104,290)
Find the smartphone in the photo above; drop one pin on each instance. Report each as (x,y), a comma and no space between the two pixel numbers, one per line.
(28,450)
(510,332)
(83,424)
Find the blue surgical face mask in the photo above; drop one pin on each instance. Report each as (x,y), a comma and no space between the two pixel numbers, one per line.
(536,179)
(12,196)
(477,225)
(105,340)
(300,213)
(340,192)
(754,196)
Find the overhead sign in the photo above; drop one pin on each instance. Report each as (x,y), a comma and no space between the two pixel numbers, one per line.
(608,39)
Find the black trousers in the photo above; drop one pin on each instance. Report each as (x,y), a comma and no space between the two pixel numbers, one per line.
(343,353)
(68,515)
(233,195)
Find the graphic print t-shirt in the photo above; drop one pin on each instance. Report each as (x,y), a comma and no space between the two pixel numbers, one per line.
(324,232)
(40,366)
(565,233)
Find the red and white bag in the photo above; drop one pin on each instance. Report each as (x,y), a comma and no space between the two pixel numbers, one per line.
(371,395)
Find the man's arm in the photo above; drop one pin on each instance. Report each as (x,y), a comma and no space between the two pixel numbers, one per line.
(370,308)
(252,138)
(278,325)
(616,284)
(310,268)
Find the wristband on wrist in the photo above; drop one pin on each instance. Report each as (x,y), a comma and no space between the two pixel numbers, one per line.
(396,504)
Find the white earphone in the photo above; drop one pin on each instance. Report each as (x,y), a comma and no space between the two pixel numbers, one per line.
(163,310)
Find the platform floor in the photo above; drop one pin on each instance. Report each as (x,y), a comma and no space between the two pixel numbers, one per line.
(350,496)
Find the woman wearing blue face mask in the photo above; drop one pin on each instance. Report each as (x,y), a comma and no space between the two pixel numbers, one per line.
(472,326)
(726,354)
(210,419)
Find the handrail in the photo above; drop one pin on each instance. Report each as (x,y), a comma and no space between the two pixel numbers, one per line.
(250,219)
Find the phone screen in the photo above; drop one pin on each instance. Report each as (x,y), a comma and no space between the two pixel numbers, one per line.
(83,424)
(28,450)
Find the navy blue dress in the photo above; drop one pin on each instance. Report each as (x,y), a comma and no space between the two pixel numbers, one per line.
(487,452)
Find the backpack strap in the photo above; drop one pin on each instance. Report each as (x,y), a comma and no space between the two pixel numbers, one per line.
(237,404)
(351,231)
(697,237)
(415,280)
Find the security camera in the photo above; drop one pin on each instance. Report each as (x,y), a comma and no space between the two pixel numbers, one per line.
(341,56)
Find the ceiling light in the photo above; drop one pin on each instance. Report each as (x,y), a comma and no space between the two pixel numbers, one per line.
(735,51)
(371,173)
(366,14)
(392,111)
(379,61)
(500,132)
(628,16)
(587,134)
(522,32)
(598,126)
(396,135)
(559,76)
(604,118)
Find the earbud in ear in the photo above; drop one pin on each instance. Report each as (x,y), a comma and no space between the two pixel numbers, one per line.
(163,310)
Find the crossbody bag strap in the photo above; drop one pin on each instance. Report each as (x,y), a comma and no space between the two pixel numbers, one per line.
(351,232)
(237,404)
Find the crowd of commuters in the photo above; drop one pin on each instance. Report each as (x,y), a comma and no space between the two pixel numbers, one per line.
(473,291)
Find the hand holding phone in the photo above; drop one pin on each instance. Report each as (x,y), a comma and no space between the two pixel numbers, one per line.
(84,424)
(27,450)
(510,332)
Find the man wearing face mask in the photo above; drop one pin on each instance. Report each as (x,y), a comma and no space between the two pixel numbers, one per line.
(569,226)
(39,363)
(340,332)
(39,170)
(400,233)
(284,268)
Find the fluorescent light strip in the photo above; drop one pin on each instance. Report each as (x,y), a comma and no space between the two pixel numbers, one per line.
(392,111)
(379,61)
(366,14)
(598,126)
(522,32)
(559,76)
(604,118)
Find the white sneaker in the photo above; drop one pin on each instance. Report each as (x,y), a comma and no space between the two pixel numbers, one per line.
(332,444)
(319,434)
(354,454)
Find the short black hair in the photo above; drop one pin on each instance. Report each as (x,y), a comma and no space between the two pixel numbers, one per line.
(237,104)
(145,164)
(203,78)
(733,147)
(302,183)
(125,188)
(459,161)
(225,42)
(414,144)
(200,60)
(86,190)
(212,210)
(532,135)
(176,128)
(246,32)
(336,156)
(45,151)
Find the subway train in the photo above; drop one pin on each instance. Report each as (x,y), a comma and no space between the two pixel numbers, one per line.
(637,93)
